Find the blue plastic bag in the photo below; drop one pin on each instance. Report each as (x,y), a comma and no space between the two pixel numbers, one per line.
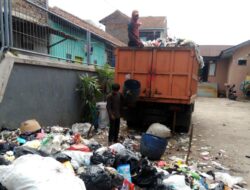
(124,170)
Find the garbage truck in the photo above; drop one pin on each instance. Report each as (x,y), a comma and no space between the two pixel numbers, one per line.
(166,85)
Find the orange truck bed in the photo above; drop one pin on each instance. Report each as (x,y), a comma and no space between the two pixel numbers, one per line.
(167,75)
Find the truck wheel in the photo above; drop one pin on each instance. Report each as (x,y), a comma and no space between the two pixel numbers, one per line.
(183,122)
(183,119)
(133,118)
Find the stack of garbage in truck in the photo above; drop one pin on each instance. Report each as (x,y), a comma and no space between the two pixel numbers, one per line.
(176,42)
(63,158)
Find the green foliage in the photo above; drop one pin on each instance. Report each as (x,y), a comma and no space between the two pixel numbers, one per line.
(105,76)
(89,89)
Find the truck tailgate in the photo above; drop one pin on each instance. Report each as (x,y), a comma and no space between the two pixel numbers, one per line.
(167,75)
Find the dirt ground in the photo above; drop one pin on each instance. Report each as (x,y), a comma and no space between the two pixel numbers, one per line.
(222,124)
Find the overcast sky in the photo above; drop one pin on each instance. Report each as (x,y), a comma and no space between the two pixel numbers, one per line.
(207,22)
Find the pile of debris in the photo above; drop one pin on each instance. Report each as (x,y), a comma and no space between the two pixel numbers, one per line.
(176,42)
(62,158)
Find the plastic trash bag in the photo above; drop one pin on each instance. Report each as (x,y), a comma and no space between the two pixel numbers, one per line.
(127,157)
(78,158)
(105,157)
(116,178)
(60,157)
(177,182)
(124,170)
(3,161)
(81,128)
(79,147)
(147,175)
(33,144)
(93,146)
(95,178)
(2,187)
(228,179)
(23,150)
(103,118)
(159,130)
(52,143)
(38,173)
(217,186)
(127,185)
(118,147)
(5,147)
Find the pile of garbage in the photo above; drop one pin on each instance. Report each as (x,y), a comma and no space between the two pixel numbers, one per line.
(176,42)
(62,158)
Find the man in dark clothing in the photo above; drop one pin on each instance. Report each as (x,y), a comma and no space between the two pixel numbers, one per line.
(114,104)
(133,31)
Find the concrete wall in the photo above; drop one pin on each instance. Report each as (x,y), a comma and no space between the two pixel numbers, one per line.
(42,90)
(220,75)
(237,73)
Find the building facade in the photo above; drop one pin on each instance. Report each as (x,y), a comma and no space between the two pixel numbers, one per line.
(100,44)
(226,65)
(152,28)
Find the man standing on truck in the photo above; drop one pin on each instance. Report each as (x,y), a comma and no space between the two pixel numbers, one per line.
(133,31)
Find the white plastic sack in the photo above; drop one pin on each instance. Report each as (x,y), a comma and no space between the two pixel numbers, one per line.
(53,145)
(228,179)
(159,130)
(33,172)
(81,128)
(118,147)
(103,117)
(78,158)
(176,181)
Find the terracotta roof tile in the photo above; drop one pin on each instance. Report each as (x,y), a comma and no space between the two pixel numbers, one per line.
(113,17)
(153,22)
(86,26)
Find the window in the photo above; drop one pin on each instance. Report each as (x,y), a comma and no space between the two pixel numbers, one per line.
(212,68)
(150,35)
(242,61)
(68,56)
(27,44)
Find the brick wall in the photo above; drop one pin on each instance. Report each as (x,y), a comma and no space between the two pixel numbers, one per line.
(27,11)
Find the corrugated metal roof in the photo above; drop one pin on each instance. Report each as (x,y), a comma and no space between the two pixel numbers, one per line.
(86,26)
(230,51)
(212,50)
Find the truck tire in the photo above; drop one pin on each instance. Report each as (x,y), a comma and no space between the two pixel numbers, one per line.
(133,118)
(184,119)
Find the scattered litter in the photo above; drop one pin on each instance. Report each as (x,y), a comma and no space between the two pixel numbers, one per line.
(228,179)
(206,153)
(64,153)
(219,166)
